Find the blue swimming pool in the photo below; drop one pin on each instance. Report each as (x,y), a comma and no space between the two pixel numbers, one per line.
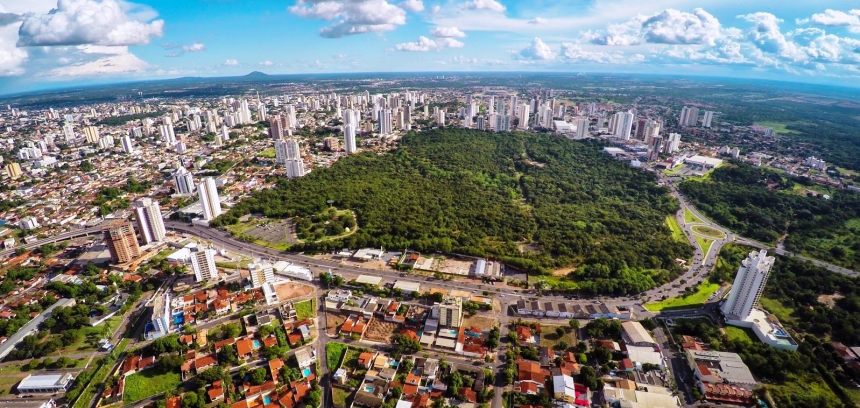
(369,389)
(267,400)
(306,371)
(256,343)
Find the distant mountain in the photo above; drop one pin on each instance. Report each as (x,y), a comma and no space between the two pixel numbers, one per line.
(257,74)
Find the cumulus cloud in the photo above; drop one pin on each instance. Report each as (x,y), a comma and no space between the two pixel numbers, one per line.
(231,62)
(667,27)
(412,5)
(196,47)
(837,18)
(353,16)
(450,32)
(80,22)
(537,21)
(536,51)
(267,63)
(9,18)
(575,53)
(101,61)
(425,44)
(491,5)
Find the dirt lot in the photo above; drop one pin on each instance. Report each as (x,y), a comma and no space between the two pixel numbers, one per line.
(484,322)
(380,330)
(292,290)
(333,321)
(455,266)
(830,300)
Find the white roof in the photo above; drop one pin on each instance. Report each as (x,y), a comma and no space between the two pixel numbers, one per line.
(636,333)
(403,404)
(369,280)
(644,355)
(182,255)
(41,381)
(407,286)
(447,343)
(704,160)
(563,384)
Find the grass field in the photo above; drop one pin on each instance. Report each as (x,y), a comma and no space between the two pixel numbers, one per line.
(161,256)
(677,233)
(779,127)
(705,244)
(99,376)
(149,382)
(88,331)
(9,376)
(306,309)
(333,353)
(708,231)
(739,333)
(351,359)
(690,218)
(549,338)
(268,153)
(782,312)
(340,397)
(695,299)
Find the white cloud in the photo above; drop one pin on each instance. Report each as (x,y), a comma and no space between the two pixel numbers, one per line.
(667,27)
(80,22)
(412,5)
(425,44)
(575,53)
(536,51)
(538,21)
(451,32)
(101,61)
(196,47)
(837,18)
(231,62)
(353,16)
(11,57)
(492,5)
(267,63)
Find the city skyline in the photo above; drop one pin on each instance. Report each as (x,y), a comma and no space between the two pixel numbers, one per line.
(46,44)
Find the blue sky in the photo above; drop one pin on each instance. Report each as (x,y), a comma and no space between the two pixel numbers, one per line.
(55,43)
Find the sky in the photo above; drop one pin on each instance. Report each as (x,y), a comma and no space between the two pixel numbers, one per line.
(58,43)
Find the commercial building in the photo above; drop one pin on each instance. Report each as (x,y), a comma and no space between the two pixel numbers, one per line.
(159,324)
(451,312)
(722,376)
(150,223)
(293,271)
(408,288)
(261,272)
(633,333)
(203,264)
(704,162)
(121,241)
(208,193)
(45,384)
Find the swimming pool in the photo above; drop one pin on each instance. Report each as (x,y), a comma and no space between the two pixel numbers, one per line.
(267,400)
(256,343)
(369,389)
(306,371)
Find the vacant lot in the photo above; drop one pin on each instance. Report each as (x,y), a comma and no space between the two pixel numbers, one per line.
(148,383)
(10,376)
(333,321)
(333,354)
(380,330)
(703,291)
(484,322)
(340,397)
(549,337)
(306,309)
(455,266)
(292,290)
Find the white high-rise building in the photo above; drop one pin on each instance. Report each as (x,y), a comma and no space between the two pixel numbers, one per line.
(440,117)
(673,143)
(127,145)
(184,181)
(450,312)
(523,115)
(748,286)
(150,223)
(261,272)
(623,125)
(295,168)
(503,123)
(652,130)
(69,132)
(208,193)
(384,118)
(491,105)
(280,151)
(167,134)
(582,127)
(706,120)
(689,117)
(203,264)
(349,138)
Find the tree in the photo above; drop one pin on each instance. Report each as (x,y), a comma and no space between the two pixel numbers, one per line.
(64,362)
(602,354)
(562,345)
(228,355)
(230,331)
(587,377)
(258,376)
(404,345)
(559,331)
(574,324)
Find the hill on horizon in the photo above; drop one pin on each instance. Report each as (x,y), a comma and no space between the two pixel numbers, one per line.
(534,201)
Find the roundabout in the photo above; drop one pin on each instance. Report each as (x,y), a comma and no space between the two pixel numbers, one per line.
(708,232)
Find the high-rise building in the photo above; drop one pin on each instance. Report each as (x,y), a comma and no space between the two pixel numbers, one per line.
(150,223)
(440,117)
(451,312)
(69,132)
(295,168)
(127,145)
(13,170)
(121,242)
(651,130)
(167,133)
(706,120)
(582,127)
(503,123)
(92,134)
(384,118)
(349,138)
(280,151)
(673,143)
(277,127)
(203,264)
(208,193)
(523,116)
(161,317)
(748,285)
(689,117)
(623,125)
(261,272)
(184,181)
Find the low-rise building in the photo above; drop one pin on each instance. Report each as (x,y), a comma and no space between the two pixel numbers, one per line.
(45,384)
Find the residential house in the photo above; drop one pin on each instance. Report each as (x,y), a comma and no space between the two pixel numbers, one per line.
(305,357)
(355,325)
(531,378)
(135,364)
(365,359)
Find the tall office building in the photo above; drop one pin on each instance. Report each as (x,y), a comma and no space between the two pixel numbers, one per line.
(706,120)
(208,193)
(203,264)
(582,127)
(121,242)
(150,223)
(349,138)
(184,181)
(623,125)
(523,115)
(127,145)
(261,272)
(451,312)
(748,286)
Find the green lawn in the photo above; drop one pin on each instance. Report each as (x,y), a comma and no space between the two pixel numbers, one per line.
(695,299)
(161,256)
(677,232)
(99,376)
(340,397)
(549,338)
(149,382)
(690,218)
(350,362)
(93,333)
(333,353)
(705,244)
(268,153)
(782,312)
(306,309)
(708,231)
(739,333)
(9,376)
(779,127)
